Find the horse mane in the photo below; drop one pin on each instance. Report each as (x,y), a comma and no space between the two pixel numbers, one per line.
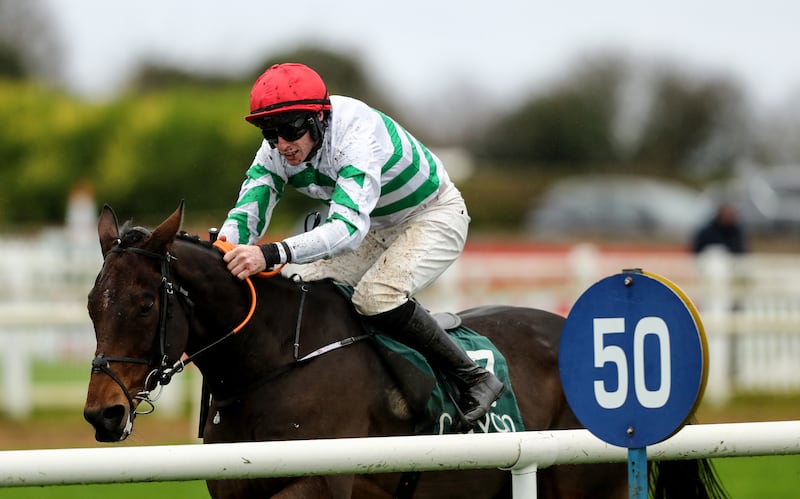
(193,238)
(130,236)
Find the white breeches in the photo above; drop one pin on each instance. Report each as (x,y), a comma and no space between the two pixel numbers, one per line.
(393,264)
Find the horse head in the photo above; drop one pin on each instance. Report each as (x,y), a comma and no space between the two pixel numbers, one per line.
(133,305)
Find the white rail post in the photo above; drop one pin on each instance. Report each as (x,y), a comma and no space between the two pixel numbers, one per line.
(716,266)
(524,482)
(16,375)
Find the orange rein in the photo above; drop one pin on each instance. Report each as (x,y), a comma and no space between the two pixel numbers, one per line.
(226,246)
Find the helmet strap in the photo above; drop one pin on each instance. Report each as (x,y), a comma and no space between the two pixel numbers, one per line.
(317,133)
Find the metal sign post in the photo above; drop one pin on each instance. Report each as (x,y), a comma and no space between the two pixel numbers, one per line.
(637,473)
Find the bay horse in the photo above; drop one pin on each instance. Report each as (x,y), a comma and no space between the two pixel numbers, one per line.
(161,296)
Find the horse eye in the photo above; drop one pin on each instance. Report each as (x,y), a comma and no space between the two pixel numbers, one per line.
(146,306)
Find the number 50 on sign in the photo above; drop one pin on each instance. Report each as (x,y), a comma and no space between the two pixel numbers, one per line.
(633,359)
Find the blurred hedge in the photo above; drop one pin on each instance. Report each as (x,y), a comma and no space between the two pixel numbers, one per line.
(140,154)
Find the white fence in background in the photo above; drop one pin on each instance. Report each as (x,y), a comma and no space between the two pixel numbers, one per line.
(750,306)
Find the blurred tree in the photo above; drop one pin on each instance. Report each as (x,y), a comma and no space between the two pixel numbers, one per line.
(186,142)
(29,45)
(451,116)
(570,125)
(778,140)
(152,76)
(40,163)
(11,64)
(679,125)
(700,125)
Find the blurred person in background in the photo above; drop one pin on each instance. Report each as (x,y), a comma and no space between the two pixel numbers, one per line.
(723,230)
(395,222)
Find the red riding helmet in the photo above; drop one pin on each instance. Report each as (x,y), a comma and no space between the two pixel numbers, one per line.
(287,87)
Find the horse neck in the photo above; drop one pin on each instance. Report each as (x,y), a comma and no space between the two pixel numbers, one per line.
(222,303)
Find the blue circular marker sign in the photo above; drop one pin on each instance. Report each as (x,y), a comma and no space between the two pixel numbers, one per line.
(633,359)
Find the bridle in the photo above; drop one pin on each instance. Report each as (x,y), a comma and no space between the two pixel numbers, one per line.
(161,372)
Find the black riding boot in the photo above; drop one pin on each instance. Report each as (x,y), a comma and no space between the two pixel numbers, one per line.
(413,325)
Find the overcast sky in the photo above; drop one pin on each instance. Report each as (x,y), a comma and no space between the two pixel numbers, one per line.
(418,48)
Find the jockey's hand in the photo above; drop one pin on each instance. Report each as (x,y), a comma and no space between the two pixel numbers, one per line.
(245,260)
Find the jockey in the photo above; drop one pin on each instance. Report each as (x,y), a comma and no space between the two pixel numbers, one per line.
(395,222)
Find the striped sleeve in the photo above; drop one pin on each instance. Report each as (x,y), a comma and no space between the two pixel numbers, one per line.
(249,218)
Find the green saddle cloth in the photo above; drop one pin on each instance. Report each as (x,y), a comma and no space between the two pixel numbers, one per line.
(440,412)
(504,414)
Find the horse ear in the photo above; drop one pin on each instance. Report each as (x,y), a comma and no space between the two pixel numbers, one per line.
(107,229)
(162,237)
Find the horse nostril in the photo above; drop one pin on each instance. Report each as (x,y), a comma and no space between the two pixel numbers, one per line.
(112,416)
(90,415)
(107,422)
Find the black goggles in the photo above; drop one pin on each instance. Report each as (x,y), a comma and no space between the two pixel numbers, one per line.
(287,130)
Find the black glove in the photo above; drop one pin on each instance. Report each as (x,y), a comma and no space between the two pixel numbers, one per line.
(273,254)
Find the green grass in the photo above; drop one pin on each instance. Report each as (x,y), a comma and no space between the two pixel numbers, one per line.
(195,489)
(61,371)
(767,477)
